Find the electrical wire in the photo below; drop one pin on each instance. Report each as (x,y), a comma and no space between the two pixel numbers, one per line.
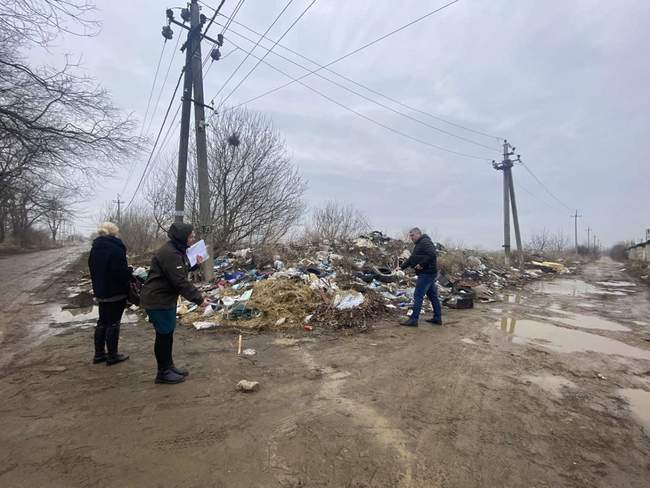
(162,126)
(361,95)
(365,87)
(363,116)
(232,16)
(162,87)
(541,183)
(267,52)
(153,149)
(347,55)
(249,53)
(153,86)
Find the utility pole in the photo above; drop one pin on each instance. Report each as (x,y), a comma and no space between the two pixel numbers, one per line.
(119,208)
(193,85)
(589,238)
(575,224)
(509,201)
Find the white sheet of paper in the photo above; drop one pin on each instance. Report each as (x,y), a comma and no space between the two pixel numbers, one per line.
(197,249)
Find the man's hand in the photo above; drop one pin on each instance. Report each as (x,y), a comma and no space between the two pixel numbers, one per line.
(199,259)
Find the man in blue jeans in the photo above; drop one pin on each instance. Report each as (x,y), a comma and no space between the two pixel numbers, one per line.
(423,261)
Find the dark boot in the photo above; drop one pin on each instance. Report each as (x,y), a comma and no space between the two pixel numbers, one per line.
(181,371)
(435,321)
(409,323)
(100,344)
(112,340)
(169,377)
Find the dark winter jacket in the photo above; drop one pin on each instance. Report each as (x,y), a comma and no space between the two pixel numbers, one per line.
(424,254)
(168,273)
(109,270)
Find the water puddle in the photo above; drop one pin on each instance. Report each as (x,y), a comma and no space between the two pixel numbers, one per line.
(639,401)
(639,322)
(585,321)
(80,317)
(550,383)
(575,288)
(564,340)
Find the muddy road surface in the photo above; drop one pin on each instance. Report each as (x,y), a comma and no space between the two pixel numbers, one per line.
(549,388)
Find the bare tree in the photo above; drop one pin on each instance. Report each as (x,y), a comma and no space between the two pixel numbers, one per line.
(336,221)
(59,132)
(255,190)
(41,21)
(539,242)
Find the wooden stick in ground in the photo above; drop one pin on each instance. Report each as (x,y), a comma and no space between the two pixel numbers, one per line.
(239,347)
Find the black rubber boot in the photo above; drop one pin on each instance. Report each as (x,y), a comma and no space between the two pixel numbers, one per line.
(169,377)
(112,340)
(409,323)
(100,344)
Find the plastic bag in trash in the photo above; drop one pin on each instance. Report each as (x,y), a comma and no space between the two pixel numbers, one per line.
(347,300)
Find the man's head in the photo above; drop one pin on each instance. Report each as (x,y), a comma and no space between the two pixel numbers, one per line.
(414,234)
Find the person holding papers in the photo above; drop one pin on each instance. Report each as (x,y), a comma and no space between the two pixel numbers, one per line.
(167,280)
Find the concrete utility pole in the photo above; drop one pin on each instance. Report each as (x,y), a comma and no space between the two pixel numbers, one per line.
(575,223)
(589,238)
(509,201)
(119,208)
(193,84)
(201,145)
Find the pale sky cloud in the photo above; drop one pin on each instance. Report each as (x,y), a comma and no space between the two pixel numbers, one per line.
(566,82)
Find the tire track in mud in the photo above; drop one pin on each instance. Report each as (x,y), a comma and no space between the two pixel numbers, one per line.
(365,417)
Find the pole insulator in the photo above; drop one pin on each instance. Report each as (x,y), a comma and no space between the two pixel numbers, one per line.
(215,54)
(167,32)
(185,14)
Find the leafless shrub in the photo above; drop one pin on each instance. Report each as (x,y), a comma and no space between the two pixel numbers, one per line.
(336,222)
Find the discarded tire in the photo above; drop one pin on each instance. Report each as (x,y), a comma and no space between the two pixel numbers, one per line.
(384,275)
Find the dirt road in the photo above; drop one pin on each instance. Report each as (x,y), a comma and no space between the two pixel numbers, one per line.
(22,300)
(548,389)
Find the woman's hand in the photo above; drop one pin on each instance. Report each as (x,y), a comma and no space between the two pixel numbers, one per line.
(199,259)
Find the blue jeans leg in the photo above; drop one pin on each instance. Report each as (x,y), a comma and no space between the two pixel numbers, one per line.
(422,286)
(432,294)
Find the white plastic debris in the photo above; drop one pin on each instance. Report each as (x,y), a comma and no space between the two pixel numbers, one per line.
(249,352)
(348,300)
(281,321)
(204,325)
(308,318)
(244,297)
(209,311)
(248,386)
(228,301)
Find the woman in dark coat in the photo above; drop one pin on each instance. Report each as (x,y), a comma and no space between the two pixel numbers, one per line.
(110,274)
(166,281)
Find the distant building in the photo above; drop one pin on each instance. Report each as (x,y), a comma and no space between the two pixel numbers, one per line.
(640,251)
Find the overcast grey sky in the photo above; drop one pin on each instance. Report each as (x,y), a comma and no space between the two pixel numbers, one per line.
(565,81)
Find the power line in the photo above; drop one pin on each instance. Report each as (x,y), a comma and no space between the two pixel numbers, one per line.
(365,87)
(267,52)
(249,53)
(347,55)
(162,126)
(162,87)
(545,187)
(153,149)
(363,116)
(361,95)
(232,16)
(153,86)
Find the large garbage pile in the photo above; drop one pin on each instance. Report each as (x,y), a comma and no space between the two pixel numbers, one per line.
(341,286)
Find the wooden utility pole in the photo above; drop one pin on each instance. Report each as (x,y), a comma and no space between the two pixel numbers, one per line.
(183,142)
(509,201)
(575,224)
(589,239)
